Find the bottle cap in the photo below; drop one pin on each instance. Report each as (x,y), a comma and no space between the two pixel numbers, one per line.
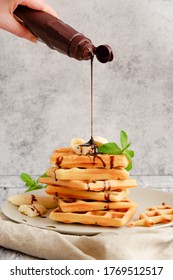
(104,53)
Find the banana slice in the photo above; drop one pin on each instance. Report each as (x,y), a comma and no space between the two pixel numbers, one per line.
(32,210)
(100,140)
(24,198)
(75,142)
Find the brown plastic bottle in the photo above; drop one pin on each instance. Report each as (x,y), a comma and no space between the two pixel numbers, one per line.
(60,36)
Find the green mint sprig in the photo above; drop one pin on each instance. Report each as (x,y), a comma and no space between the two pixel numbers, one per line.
(113,149)
(31,183)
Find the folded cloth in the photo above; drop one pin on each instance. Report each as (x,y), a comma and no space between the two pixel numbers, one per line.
(127,244)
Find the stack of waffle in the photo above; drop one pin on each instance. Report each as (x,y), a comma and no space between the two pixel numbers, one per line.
(91,189)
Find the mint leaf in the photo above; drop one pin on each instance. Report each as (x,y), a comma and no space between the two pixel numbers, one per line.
(123,138)
(130,165)
(33,188)
(42,176)
(32,184)
(110,148)
(27,179)
(113,149)
(130,153)
(126,147)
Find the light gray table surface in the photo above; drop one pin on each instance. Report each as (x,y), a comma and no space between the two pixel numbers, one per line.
(10,185)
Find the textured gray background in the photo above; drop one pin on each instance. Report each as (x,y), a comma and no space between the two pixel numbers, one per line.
(44,95)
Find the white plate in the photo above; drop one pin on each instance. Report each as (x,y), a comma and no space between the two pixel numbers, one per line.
(142,196)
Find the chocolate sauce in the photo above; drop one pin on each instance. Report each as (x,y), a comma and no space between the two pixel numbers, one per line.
(104,185)
(93,151)
(92,101)
(59,161)
(55,174)
(51,226)
(91,143)
(88,187)
(111,162)
(107,196)
(109,185)
(96,156)
(33,198)
(33,208)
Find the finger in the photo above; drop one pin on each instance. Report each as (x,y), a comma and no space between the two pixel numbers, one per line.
(39,5)
(11,25)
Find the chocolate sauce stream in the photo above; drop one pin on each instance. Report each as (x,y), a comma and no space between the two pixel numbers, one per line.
(92,122)
(91,142)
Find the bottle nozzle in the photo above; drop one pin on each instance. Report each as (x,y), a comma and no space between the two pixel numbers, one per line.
(88,52)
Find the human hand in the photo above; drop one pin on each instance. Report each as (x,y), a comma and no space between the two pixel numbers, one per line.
(8,22)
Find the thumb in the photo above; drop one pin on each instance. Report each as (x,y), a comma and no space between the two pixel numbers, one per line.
(14,27)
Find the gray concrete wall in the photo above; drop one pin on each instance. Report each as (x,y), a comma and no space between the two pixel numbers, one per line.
(45,96)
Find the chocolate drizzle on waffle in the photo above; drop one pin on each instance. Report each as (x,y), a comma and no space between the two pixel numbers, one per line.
(55,175)
(68,159)
(111,162)
(59,161)
(107,196)
(91,143)
(88,187)
(106,185)
(96,156)
(93,151)
(92,157)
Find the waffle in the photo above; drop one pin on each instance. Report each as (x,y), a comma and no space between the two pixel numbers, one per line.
(63,150)
(116,195)
(154,215)
(78,205)
(106,218)
(70,160)
(87,174)
(107,185)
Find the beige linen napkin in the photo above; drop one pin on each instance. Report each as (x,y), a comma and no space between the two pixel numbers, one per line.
(127,244)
